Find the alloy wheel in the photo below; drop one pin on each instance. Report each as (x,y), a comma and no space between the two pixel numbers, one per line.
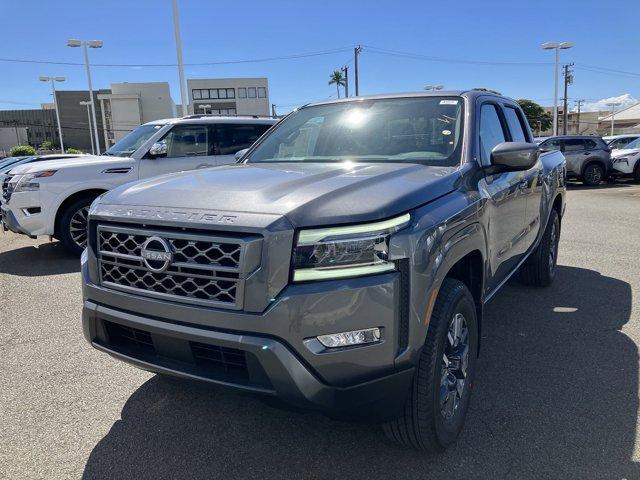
(455,361)
(78,227)
(594,175)
(553,247)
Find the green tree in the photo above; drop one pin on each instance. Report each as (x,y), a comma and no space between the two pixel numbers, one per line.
(539,120)
(338,79)
(22,151)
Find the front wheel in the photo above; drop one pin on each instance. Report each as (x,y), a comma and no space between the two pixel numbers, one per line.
(593,175)
(437,404)
(72,230)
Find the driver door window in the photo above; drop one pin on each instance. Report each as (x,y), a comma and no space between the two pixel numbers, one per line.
(188,147)
(491,131)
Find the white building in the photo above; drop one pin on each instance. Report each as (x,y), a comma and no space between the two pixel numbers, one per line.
(626,120)
(229,96)
(132,104)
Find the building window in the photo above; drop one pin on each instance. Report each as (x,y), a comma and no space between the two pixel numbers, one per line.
(262,92)
(205,94)
(213,93)
(196,94)
(252,92)
(231,93)
(242,92)
(222,93)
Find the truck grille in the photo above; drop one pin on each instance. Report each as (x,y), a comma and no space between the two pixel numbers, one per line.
(194,268)
(7,190)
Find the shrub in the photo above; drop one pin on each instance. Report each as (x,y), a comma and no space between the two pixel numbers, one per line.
(48,145)
(72,150)
(22,150)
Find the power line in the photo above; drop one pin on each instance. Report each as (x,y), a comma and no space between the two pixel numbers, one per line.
(197,64)
(417,56)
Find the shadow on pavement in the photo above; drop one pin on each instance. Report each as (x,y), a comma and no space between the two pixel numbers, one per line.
(43,259)
(556,397)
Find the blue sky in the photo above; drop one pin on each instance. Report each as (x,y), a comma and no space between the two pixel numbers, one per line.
(141,32)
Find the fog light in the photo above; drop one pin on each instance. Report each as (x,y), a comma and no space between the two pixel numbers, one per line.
(345,339)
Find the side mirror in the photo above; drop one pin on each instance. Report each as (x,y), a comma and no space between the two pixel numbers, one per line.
(515,155)
(240,153)
(158,149)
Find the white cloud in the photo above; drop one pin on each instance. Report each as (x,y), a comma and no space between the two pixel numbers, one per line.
(601,105)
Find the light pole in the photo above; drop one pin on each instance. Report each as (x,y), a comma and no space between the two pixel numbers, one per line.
(433,88)
(557,46)
(88,105)
(53,81)
(86,44)
(204,108)
(176,30)
(613,106)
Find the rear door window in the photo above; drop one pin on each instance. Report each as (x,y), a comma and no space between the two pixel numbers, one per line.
(231,138)
(515,125)
(574,144)
(590,145)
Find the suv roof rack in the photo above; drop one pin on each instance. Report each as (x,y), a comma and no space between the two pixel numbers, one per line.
(206,115)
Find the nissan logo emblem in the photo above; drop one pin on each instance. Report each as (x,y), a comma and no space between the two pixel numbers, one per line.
(156,254)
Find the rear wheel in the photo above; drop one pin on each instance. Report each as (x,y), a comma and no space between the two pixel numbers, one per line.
(593,175)
(72,229)
(437,404)
(540,268)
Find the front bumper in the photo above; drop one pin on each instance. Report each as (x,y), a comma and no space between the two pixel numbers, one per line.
(266,352)
(16,217)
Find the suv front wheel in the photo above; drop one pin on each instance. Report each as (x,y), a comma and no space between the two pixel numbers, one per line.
(72,230)
(437,404)
(593,175)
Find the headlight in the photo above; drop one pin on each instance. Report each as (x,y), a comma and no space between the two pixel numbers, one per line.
(27,183)
(338,252)
(621,160)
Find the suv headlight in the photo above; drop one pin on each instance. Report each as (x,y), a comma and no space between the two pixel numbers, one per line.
(27,183)
(621,160)
(339,252)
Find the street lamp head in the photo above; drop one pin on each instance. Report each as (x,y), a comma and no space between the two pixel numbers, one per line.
(433,87)
(565,45)
(95,43)
(73,42)
(550,45)
(85,103)
(59,79)
(43,78)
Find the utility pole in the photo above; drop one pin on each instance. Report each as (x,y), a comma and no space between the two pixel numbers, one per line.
(356,53)
(578,106)
(568,80)
(273,110)
(345,69)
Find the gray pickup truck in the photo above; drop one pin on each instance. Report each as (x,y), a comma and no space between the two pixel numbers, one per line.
(342,265)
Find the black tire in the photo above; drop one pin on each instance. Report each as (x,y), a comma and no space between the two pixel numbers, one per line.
(593,175)
(540,268)
(423,425)
(69,221)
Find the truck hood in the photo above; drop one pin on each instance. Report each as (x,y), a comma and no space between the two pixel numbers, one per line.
(625,152)
(306,193)
(63,163)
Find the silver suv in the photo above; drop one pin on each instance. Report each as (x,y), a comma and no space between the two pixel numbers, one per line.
(588,157)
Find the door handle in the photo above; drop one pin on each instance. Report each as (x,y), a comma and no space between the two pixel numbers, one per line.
(587,153)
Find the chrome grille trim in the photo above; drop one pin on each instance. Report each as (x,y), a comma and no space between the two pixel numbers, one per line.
(7,190)
(206,269)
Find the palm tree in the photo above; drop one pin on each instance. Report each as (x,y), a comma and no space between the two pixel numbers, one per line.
(337,78)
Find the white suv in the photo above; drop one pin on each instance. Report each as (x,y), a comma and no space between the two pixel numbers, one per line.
(625,162)
(53,197)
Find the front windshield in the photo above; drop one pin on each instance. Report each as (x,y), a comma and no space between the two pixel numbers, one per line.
(634,144)
(132,141)
(414,130)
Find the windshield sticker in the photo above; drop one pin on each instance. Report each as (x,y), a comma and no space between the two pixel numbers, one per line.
(446,132)
(448,102)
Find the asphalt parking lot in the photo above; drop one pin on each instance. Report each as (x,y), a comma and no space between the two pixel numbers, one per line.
(556,394)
